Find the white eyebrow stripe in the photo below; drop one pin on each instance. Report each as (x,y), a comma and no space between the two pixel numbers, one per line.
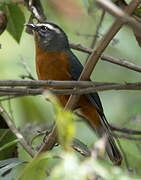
(49,26)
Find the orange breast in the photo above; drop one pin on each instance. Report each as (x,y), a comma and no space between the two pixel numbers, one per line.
(52,65)
(56,66)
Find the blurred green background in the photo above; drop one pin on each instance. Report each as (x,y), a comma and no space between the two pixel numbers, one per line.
(121,107)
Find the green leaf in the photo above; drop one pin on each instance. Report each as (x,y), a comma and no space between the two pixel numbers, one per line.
(80,147)
(9,175)
(9,161)
(9,144)
(9,166)
(36,169)
(6,168)
(16,21)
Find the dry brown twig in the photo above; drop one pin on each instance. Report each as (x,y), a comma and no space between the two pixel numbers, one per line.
(125,130)
(27,69)
(97,30)
(107,58)
(82,87)
(122,16)
(68,84)
(36,10)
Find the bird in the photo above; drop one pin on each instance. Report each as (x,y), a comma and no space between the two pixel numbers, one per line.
(55,61)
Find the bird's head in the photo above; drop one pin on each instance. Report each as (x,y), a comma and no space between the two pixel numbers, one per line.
(50,37)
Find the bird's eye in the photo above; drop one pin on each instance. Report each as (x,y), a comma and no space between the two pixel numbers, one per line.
(43,28)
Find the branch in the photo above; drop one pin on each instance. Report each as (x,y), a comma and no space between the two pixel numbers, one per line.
(125,130)
(97,29)
(27,69)
(122,16)
(36,9)
(65,84)
(49,144)
(96,87)
(108,58)
(120,129)
(13,128)
(48,83)
(128,137)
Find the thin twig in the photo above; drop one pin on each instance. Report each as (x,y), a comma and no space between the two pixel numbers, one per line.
(97,30)
(122,16)
(125,130)
(122,62)
(66,84)
(13,128)
(27,69)
(123,153)
(36,91)
(47,83)
(49,144)
(36,9)
(107,58)
(128,137)
(116,128)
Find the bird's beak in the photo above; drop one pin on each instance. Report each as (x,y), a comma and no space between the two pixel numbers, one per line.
(31,26)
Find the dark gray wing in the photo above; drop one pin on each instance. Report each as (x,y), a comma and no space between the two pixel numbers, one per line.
(75,71)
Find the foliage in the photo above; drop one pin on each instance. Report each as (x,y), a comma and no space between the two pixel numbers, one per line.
(69,165)
(7,144)
(15,25)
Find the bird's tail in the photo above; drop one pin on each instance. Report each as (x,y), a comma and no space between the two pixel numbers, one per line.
(111,148)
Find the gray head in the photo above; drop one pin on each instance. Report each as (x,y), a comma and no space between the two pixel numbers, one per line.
(50,36)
